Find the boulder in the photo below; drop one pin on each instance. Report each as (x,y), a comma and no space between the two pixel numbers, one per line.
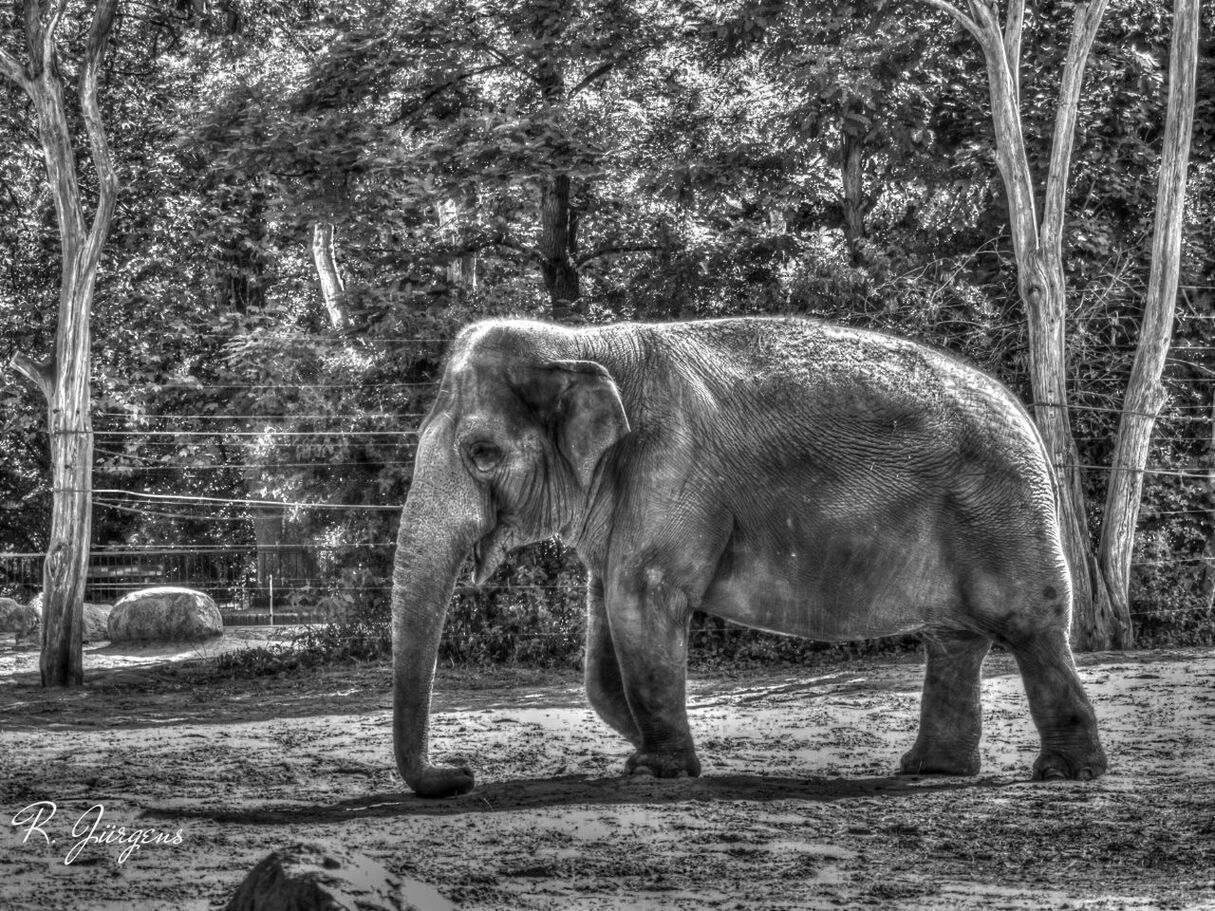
(96,620)
(165,615)
(19,619)
(310,877)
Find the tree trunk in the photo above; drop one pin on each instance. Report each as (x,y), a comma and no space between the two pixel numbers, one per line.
(1208,570)
(558,243)
(1145,395)
(1038,250)
(325,258)
(64,381)
(852,165)
(462,268)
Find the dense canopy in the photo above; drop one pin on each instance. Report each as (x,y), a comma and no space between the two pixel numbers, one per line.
(315,197)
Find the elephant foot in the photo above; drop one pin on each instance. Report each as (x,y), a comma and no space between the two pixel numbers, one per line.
(939,761)
(675,764)
(1056,765)
(441,781)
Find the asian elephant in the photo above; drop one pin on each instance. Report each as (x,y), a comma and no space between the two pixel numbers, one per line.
(785,474)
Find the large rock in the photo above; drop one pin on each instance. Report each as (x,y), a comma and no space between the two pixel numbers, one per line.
(309,877)
(96,620)
(165,615)
(19,619)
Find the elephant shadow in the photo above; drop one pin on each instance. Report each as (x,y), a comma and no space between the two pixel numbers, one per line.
(579,790)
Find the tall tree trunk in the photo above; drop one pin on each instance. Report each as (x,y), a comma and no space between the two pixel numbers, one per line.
(558,221)
(324,256)
(1038,249)
(462,268)
(64,380)
(558,244)
(852,168)
(1208,553)
(1145,395)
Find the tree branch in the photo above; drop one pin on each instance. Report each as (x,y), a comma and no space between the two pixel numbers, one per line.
(1084,31)
(324,256)
(103,161)
(1012,42)
(530,252)
(986,15)
(40,373)
(590,77)
(48,35)
(614,251)
(15,71)
(966,22)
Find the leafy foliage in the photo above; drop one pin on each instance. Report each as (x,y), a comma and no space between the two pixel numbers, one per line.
(759,156)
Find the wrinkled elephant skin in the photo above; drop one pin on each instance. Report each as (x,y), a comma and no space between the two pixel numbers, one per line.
(784,474)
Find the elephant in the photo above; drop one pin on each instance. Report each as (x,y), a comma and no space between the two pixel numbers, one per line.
(786,474)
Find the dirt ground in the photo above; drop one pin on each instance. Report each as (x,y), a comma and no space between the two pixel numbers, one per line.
(797,807)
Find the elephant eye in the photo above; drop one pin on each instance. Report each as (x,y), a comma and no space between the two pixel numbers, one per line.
(484,455)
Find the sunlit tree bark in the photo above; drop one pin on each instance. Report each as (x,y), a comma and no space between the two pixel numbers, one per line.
(64,378)
(324,257)
(1097,622)
(1145,395)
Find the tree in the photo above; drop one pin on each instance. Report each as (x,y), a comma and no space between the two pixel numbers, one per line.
(64,378)
(1038,246)
(1145,395)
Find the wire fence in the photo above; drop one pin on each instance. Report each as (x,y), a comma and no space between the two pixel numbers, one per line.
(190,447)
(268,585)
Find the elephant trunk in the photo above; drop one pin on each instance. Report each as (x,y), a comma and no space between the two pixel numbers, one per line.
(443,517)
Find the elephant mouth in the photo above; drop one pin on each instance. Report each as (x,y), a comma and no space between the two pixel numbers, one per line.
(490,551)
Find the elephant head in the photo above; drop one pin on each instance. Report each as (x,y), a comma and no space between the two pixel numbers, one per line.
(507,456)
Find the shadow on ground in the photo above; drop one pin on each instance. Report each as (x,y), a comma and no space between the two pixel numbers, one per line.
(578,790)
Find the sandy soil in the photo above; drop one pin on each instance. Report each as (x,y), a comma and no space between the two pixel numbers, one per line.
(797,807)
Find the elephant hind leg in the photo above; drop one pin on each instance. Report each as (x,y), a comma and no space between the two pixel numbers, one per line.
(950,714)
(604,685)
(1035,630)
(1060,709)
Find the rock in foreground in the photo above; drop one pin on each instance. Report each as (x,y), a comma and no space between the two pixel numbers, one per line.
(309,877)
(165,615)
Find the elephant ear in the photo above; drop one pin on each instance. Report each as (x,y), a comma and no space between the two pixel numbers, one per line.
(582,402)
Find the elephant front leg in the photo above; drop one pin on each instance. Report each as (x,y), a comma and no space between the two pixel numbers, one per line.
(649,626)
(604,684)
(950,714)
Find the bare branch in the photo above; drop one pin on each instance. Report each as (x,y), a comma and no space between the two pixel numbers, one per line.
(590,77)
(966,22)
(1084,30)
(48,35)
(616,251)
(34,36)
(324,256)
(986,15)
(40,373)
(103,161)
(530,253)
(1012,42)
(11,68)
